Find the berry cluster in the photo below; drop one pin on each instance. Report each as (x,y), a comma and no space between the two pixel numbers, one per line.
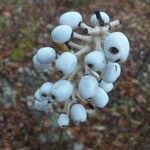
(89,65)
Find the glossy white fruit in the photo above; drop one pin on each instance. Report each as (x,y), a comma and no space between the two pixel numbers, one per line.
(38,96)
(71,19)
(61,34)
(116,47)
(78,113)
(41,95)
(63,120)
(104,16)
(37,65)
(62,90)
(96,60)
(101,98)
(46,88)
(111,72)
(87,86)
(66,63)
(46,55)
(42,105)
(106,86)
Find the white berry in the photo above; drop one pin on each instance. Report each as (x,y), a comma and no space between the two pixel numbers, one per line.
(66,63)
(95,60)
(106,86)
(46,55)
(63,120)
(46,88)
(101,98)
(38,96)
(87,86)
(62,90)
(111,72)
(61,34)
(42,105)
(116,47)
(40,66)
(71,18)
(104,16)
(78,113)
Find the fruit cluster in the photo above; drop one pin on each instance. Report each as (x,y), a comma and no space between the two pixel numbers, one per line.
(89,64)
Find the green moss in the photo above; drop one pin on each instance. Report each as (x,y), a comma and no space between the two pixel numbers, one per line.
(18,54)
(23,45)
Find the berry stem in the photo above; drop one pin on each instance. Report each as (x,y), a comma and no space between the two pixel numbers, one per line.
(74,73)
(80,98)
(60,141)
(114,23)
(95,74)
(95,31)
(83,50)
(97,43)
(84,38)
(74,45)
(85,26)
(63,47)
(67,107)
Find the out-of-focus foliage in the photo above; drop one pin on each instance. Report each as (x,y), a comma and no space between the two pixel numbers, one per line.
(123,124)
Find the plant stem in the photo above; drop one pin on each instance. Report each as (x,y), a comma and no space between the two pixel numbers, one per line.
(60,141)
(83,50)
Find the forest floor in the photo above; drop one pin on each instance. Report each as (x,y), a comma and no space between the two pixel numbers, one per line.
(124,124)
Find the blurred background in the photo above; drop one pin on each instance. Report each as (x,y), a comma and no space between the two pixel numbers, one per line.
(124,124)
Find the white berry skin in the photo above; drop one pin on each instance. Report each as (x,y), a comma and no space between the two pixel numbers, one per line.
(87,86)
(46,88)
(62,90)
(61,34)
(71,19)
(63,120)
(101,98)
(37,65)
(42,105)
(78,113)
(94,20)
(119,41)
(46,55)
(106,86)
(111,72)
(67,62)
(96,59)
(38,96)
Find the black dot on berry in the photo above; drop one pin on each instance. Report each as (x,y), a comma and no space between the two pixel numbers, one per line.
(118,60)
(53,97)
(64,126)
(113,50)
(90,65)
(60,72)
(44,95)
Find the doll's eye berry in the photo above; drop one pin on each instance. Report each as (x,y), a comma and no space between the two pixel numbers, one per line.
(84,73)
